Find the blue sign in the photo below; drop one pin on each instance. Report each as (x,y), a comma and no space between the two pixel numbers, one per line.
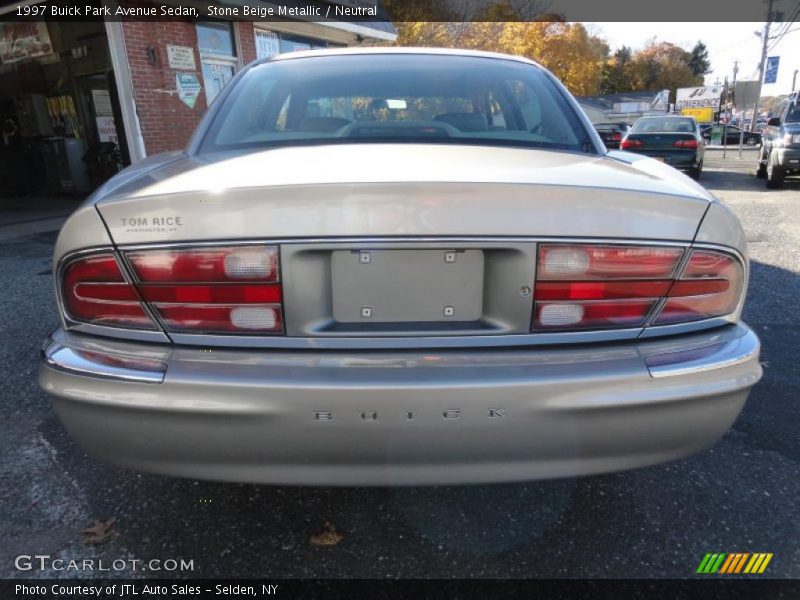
(771,73)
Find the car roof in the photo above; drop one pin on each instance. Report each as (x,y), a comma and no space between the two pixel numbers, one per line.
(359,50)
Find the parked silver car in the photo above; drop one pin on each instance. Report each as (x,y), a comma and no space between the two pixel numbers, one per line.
(395,266)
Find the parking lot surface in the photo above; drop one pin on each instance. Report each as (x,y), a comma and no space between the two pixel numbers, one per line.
(740,496)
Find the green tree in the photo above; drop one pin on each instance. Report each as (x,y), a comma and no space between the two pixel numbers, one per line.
(699,63)
(615,75)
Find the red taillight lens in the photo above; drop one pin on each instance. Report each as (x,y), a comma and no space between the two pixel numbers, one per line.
(94,291)
(600,290)
(232,289)
(710,286)
(628,144)
(212,294)
(616,137)
(587,286)
(685,143)
(218,265)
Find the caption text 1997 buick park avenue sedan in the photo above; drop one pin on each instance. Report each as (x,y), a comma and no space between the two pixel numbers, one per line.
(394,266)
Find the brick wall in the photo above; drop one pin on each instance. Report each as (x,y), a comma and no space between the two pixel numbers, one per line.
(166,122)
(247,41)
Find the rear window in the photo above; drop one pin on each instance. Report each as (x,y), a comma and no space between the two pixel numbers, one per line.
(793,115)
(395,98)
(664,125)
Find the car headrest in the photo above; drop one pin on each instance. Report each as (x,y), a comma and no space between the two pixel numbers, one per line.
(464,121)
(323,124)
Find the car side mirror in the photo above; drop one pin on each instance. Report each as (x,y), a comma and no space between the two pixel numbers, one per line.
(774,122)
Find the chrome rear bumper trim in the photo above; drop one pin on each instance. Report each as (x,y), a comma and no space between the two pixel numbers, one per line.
(722,355)
(70,360)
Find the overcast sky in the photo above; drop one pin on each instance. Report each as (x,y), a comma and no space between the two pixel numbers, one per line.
(726,43)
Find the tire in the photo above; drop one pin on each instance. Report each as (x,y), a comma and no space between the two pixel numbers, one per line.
(775,176)
(694,172)
(761,170)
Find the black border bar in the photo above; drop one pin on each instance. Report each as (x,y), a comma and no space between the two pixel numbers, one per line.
(712,588)
(711,11)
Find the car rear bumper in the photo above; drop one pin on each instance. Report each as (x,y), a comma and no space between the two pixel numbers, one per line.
(678,159)
(787,158)
(400,418)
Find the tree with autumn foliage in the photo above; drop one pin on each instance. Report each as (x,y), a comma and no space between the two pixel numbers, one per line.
(662,65)
(567,49)
(580,59)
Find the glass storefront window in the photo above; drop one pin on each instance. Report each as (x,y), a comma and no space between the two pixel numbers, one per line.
(216,39)
(217,56)
(269,43)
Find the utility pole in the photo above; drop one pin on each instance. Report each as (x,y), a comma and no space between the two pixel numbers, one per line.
(726,100)
(741,120)
(763,63)
(794,79)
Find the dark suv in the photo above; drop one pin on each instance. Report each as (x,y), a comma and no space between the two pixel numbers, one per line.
(780,151)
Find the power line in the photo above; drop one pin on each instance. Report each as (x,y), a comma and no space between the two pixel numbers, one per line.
(784,34)
(784,27)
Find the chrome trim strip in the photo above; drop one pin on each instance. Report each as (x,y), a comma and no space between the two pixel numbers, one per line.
(408,239)
(341,342)
(733,352)
(63,358)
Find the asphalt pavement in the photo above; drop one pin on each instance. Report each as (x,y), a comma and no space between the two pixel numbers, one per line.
(740,496)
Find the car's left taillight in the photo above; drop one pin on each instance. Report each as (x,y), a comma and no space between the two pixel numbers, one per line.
(95,291)
(230,290)
(631,144)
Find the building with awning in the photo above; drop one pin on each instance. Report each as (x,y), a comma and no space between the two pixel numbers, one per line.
(80,99)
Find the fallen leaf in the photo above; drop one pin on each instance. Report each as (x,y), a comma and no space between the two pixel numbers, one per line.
(329,537)
(100,532)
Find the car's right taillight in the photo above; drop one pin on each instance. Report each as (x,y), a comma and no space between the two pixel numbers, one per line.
(598,286)
(692,143)
(710,285)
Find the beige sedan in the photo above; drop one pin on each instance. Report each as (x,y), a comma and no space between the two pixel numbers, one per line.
(398,267)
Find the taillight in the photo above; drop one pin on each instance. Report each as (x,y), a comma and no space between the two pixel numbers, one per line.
(628,144)
(212,290)
(218,265)
(710,286)
(616,136)
(95,291)
(580,262)
(685,143)
(200,290)
(583,286)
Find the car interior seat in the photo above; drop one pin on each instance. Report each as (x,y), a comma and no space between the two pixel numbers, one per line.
(464,121)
